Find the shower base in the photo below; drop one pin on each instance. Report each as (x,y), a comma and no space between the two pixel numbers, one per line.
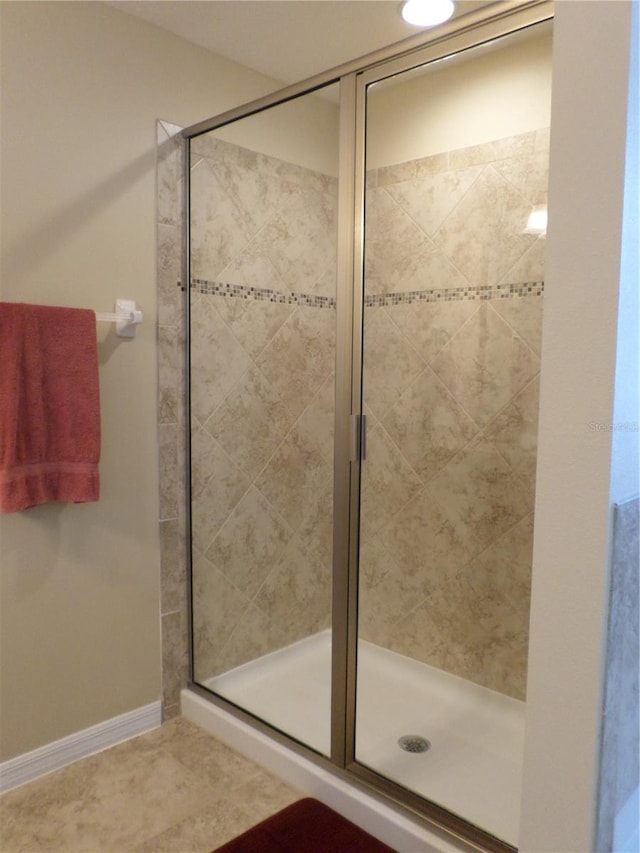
(473,762)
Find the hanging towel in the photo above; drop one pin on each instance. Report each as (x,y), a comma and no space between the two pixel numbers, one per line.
(49,406)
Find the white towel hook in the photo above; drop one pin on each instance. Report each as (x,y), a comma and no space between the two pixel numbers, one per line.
(126,318)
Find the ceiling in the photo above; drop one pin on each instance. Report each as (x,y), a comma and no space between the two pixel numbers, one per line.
(288,40)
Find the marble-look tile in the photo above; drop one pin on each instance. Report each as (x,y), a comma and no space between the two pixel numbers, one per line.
(429,199)
(391,363)
(413,169)
(169,178)
(168,460)
(621,730)
(480,495)
(73,817)
(207,145)
(219,230)
(297,593)
(485,365)
(295,476)
(316,423)
(530,266)
(483,236)
(218,361)
(524,315)
(222,821)
(174,789)
(428,425)
(173,571)
(399,256)
(315,530)
(489,152)
(170,295)
(392,241)
(256,194)
(514,432)
(426,542)
(167,374)
(431,325)
(452,639)
(528,174)
(175,658)
(230,308)
(217,486)
(387,482)
(218,606)
(413,573)
(300,240)
(327,284)
(251,422)
(470,620)
(257,325)
(264,795)
(253,267)
(255,634)
(249,542)
(430,631)
(386,593)
(226,819)
(300,356)
(498,585)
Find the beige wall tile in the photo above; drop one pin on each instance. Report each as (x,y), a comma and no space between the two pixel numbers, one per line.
(249,542)
(485,365)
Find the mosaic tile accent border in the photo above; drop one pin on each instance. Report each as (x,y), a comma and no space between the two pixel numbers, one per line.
(382,300)
(261,294)
(456,294)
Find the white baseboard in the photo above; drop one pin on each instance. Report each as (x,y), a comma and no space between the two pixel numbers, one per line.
(31,765)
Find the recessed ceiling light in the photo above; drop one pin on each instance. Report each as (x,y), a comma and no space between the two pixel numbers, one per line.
(427,13)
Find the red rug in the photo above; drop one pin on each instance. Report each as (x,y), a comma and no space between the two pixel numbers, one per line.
(306,826)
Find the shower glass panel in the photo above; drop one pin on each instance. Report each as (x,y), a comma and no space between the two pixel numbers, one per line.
(262,367)
(456,161)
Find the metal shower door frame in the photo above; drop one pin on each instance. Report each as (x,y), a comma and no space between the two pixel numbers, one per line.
(474,29)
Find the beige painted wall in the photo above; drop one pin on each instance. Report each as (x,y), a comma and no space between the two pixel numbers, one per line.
(303,131)
(79,584)
(83,85)
(449,107)
(571,539)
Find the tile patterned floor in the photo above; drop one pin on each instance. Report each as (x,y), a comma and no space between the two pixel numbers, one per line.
(174,789)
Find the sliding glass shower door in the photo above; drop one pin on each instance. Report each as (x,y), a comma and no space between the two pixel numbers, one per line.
(262,365)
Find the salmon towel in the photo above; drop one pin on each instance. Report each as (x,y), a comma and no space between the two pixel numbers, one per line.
(49,406)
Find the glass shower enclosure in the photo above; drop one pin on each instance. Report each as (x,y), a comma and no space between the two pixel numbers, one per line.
(364,314)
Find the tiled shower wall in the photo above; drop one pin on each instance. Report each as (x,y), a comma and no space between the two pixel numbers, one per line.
(171,427)
(620,747)
(262,369)
(453,314)
(450,389)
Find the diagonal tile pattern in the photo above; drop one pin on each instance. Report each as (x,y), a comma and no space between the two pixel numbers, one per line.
(453,385)
(485,364)
(450,387)
(262,404)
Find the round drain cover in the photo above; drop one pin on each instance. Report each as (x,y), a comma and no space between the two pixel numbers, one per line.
(413,743)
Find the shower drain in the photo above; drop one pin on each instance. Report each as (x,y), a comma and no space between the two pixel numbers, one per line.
(413,743)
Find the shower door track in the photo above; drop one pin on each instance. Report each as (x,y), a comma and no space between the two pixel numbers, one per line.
(471,30)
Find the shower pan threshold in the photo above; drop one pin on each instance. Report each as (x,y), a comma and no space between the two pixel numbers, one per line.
(473,766)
